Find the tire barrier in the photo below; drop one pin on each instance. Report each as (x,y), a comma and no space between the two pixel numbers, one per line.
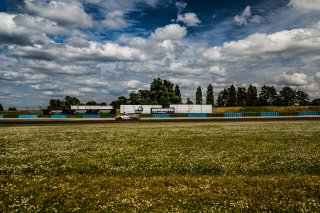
(197,115)
(28,116)
(308,113)
(91,116)
(239,114)
(269,114)
(58,116)
(161,115)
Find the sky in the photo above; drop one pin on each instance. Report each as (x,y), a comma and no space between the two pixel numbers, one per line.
(98,50)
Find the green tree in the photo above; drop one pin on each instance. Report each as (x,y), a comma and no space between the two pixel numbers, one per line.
(134,98)
(1,107)
(162,92)
(12,109)
(120,101)
(177,99)
(92,103)
(302,98)
(199,96)
(315,102)
(241,96)
(222,98)
(231,96)
(144,97)
(189,101)
(210,96)
(252,96)
(71,101)
(288,96)
(268,96)
(57,104)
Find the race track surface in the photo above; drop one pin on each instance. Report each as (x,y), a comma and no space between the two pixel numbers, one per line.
(22,121)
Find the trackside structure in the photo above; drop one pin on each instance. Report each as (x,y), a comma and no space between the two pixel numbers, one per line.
(191,108)
(141,109)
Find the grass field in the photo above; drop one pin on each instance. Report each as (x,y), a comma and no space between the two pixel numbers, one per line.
(164,167)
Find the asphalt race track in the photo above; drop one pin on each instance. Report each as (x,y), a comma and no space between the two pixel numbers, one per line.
(22,121)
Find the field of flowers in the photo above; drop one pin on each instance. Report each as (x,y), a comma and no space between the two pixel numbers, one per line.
(161,167)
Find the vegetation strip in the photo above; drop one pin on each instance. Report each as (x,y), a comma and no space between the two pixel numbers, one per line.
(164,167)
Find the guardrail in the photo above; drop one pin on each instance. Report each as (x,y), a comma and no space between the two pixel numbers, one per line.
(91,116)
(58,116)
(308,113)
(28,116)
(161,115)
(238,114)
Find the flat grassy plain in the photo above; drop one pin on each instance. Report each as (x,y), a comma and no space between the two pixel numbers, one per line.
(161,167)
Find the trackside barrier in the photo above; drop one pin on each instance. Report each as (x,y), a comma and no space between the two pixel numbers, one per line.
(1,116)
(266,114)
(28,116)
(146,116)
(107,116)
(239,114)
(308,113)
(250,114)
(58,116)
(91,116)
(288,113)
(161,115)
(215,114)
(179,115)
(197,115)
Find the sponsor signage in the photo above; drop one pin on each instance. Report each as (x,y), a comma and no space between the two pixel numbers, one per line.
(104,112)
(55,112)
(170,110)
(139,110)
(79,112)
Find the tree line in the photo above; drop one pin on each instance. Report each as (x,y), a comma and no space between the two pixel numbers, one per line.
(268,96)
(163,92)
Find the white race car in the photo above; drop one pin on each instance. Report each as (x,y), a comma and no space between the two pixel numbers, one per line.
(127,116)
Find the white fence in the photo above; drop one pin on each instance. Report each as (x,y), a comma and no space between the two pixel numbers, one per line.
(91,107)
(144,109)
(179,108)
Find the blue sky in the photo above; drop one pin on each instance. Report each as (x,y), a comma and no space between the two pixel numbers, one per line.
(101,49)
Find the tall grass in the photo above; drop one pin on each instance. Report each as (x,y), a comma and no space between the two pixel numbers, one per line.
(167,167)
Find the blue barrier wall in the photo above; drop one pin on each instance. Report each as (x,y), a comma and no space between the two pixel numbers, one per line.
(161,115)
(58,116)
(238,114)
(197,115)
(91,116)
(308,113)
(266,114)
(28,116)
(1,116)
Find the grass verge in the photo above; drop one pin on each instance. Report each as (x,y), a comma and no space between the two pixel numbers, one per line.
(167,167)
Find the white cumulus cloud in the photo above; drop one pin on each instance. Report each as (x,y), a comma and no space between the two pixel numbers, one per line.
(246,17)
(115,20)
(294,79)
(171,31)
(190,19)
(305,5)
(64,12)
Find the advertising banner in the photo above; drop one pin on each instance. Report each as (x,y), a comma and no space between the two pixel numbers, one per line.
(170,110)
